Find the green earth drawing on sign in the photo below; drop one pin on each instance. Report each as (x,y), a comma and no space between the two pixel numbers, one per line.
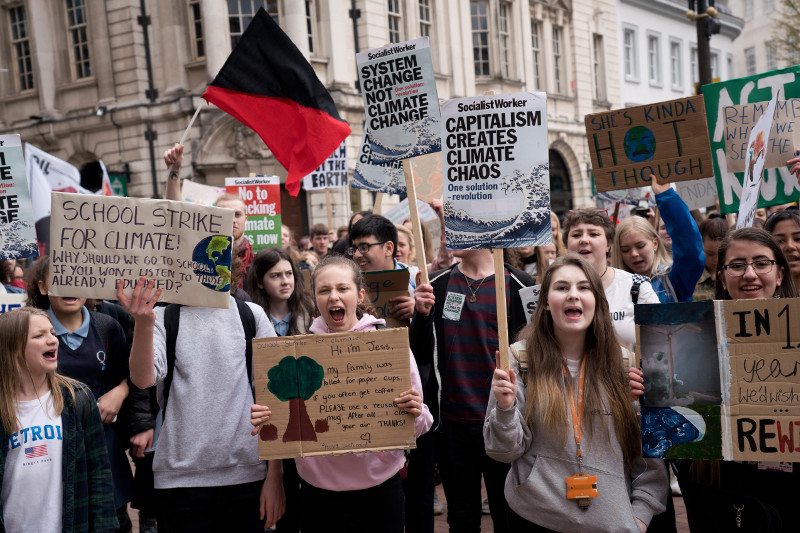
(640,144)
(212,262)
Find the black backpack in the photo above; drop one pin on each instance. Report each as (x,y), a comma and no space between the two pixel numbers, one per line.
(172,316)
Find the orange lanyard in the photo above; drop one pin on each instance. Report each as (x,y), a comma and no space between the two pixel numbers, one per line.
(577,410)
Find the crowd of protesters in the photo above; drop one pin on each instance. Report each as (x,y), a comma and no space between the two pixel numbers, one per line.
(94,380)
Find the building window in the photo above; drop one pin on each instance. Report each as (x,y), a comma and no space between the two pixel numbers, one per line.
(79,38)
(675,67)
(631,65)
(772,55)
(505,38)
(769,5)
(598,68)
(480,37)
(310,23)
(750,60)
(558,59)
(425,18)
(21,43)
(730,66)
(536,31)
(693,65)
(393,19)
(654,59)
(715,66)
(196,29)
(241,12)
(748,9)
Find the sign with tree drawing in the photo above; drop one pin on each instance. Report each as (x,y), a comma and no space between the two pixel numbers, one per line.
(333,394)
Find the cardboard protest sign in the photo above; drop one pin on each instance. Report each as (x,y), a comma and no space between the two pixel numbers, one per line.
(778,186)
(667,139)
(720,379)
(400,100)
(426,170)
(331,174)
(333,394)
(97,240)
(262,199)
(17,230)
(401,212)
(757,148)
(197,193)
(739,122)
(497,167)
(9,302)
(697,193)
(386,178)
(382,286)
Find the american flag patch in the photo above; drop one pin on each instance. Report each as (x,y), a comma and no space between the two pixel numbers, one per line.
(36,451)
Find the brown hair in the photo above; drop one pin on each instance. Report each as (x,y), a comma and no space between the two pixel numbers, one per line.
(365,307)
(606,379)
(591,215)
(760,237)
(14,327)
(714,228)
(38,271)
(319,229)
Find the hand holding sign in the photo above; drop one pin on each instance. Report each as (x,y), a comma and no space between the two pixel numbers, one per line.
(140,304)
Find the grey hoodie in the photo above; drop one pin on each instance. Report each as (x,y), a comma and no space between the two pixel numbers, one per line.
(536,488)
(205,440)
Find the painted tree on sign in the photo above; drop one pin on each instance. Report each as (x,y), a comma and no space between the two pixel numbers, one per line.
(295,381)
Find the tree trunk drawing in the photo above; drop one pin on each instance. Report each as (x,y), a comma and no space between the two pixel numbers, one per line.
(300,427)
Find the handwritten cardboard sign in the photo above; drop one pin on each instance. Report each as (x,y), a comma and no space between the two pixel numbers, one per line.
(333,394)
(427,173)
(697,193)
(97,240)
(496,167)
(666,139)
(197,193)
(17,230)
(9,302)
(400,100)
(262,199)
(779,185)
(382,286)
(331,174)
(741,119)
(721,379)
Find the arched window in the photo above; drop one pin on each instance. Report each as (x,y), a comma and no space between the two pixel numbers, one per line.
(560,185)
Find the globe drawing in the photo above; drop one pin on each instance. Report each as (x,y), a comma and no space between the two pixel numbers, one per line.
(212,262)
(640,144)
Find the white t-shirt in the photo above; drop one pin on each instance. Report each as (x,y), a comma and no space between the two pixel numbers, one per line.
(620,305)
(32,482)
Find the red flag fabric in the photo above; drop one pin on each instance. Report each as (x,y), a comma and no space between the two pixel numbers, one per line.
(268,86)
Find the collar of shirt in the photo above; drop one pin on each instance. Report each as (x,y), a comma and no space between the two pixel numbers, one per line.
(281,326)
(73,339)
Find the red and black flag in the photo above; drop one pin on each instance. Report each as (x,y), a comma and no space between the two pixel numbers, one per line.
(268,85)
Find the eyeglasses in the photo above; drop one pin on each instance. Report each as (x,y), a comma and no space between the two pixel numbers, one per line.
(762,266)
(363,247)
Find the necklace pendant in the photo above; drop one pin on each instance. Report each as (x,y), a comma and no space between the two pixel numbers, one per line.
(473,298)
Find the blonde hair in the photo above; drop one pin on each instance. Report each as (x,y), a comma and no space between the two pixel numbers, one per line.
(14,327)
(407,232)
(561,249)
(661,262)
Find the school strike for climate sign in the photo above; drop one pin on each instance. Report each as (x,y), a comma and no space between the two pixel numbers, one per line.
(496,171)
(97,240)
(262,200)
(666,139)
(721,379)
(400,100)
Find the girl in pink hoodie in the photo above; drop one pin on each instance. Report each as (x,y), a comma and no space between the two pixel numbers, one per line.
(361,492)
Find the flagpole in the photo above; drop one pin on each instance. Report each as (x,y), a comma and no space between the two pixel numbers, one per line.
(173,175)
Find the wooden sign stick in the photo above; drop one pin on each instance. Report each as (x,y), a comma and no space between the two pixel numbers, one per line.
(500,299)
(416,225)
(616,213)
(328,203)
(376,207)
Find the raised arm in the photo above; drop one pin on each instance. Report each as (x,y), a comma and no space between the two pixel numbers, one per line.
(173,158)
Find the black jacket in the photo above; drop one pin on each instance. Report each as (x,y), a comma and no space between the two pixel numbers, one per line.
(427,332)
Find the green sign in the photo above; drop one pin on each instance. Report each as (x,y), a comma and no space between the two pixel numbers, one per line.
(778,185)
(119,184)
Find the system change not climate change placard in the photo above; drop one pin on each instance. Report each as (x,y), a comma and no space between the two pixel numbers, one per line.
(496,172)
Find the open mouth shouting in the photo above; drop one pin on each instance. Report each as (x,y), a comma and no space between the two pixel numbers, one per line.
(337,314)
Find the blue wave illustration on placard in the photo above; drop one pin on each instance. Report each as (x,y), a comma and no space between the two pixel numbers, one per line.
(529,227)
(396,183)
(18,241)
(424,137)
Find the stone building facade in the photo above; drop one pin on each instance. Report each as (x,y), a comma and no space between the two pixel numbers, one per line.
(118,80)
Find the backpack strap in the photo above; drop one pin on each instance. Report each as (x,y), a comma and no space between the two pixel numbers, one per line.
(249,324)
(172,318)
(638,279)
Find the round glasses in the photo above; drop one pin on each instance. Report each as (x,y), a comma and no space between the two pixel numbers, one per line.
(762,266)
